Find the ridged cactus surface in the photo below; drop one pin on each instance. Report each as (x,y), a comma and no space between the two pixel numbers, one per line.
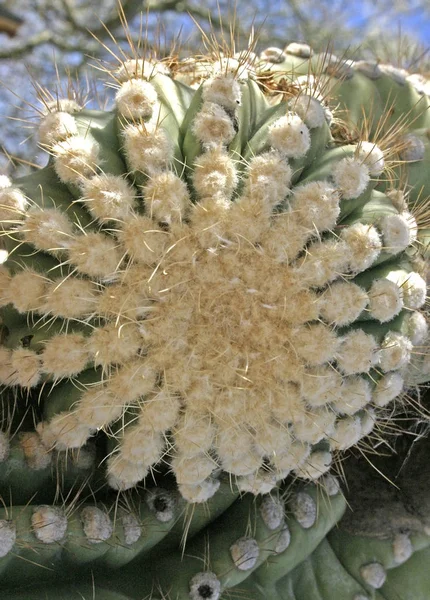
(219,285)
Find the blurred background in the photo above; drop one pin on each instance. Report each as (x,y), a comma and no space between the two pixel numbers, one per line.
(46,43)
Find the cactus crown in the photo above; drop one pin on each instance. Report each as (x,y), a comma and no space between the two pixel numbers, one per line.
(208,277)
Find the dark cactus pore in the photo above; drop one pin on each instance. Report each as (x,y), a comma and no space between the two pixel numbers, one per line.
(209,296)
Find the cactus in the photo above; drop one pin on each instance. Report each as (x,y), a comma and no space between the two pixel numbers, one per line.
(214,282)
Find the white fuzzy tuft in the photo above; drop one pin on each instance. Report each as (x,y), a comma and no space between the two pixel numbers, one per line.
(26,290)
(388,387)
(97,408)
(315,466)
(205,585)
(66,105)
(351,176)
(214,172)
(65,355)
(323,263)
(65,431)
(13,204)
(321,385)
(96,524)
(201,492)
(316,343)
(304,509)
(123,475)
(357,353)
(26,367)
(108,197)
(142,68)
(347,433)
(290,136)
(244,553)
(148,148)
(136,99)
(395,351)
(372,157)
(309,110)
(316,205)
(114,344)
(386,300)
(224,91)
(56,127)
(396,232)
(48,229)
(192,471)
(313,426)
(414,290)
(166,198)
(355,395)
(259,482)
(7,537)
(269,178)
(49,524)
(364,245)
(5,182)
(416,327)
(412,148)
(69,298)
(75,159)
(342,303)
(212,126)
(95,254)
(373,574)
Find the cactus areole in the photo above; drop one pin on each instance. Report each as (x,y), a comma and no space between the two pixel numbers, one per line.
(212,276)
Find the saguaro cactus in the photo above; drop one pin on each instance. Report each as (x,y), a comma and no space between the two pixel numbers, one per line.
(209,280)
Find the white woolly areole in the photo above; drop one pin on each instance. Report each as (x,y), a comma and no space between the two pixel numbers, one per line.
(331,485)
(192,471)
(12,205)
(114,343)
(402,548)
(229,67)
(166,198)
(36,455)
(148,148)
(324,262)
(269,178)
(48,229)
(372,157)
(272,55)
(122,474)
(5,182)
(321,385)
(108,197)
(64,355)
(315,466)
(26,290)
(420,83)
(412,148)
(132,528)
(56,127)
(355,395)
(69,298)
(201,492)
(259,482)
(26,367)
(416,327)
(316,205)
(373,574)
(4,446)
(313,426)
(397,74)
(162,503)
(299,49)
(76,158)
(368,422)
(364,245)
(396,232)
(395,351)
(7,537)
(351,176)
(65,431)
(6,370)
(96,524)
(385,300)
(388,387)
(214,172)
(143,68)
(414,290)
(290,136)
(66,105)
(212,126)
(357,353)
(95,254)
(304,509)
(272,512)
(342,303)
(224,91)
(205,585)
(309,110)
(284,539)
(244,553)
(136,99)
(347,433)
(49,524)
